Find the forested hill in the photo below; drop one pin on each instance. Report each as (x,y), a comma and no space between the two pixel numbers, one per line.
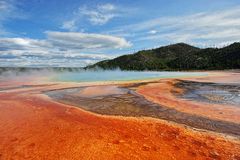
(179,56)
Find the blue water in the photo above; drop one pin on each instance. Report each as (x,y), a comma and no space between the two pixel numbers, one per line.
(97,76)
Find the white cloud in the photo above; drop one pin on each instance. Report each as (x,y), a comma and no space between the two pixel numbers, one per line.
(58,49)
(152,32)
(219,27)
(106,7)
(99,15)
(22,44)
(76,40)
(43,57)
(96,15)
(66,41)
(70,25)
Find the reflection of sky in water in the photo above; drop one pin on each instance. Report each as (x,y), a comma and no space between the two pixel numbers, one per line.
(91,76)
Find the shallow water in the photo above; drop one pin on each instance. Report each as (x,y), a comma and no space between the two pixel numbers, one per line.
(96,76)
(124,101)
(211,92)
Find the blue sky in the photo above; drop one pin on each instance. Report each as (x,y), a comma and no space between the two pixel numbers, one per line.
(75,33)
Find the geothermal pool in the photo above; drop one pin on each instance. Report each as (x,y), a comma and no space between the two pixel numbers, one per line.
(97,76)
(181,115)
(125,101)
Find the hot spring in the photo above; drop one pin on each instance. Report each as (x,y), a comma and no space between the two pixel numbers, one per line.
(99,76)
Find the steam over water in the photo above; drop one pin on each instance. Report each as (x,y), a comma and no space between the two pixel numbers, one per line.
(66,75)
(94,76)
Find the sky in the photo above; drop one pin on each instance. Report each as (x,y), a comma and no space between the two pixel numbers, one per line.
(76,33)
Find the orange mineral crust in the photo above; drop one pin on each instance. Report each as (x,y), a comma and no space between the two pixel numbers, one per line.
(162,93)
(32,126)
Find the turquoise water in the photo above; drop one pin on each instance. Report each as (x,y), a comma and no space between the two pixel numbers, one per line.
(97,76)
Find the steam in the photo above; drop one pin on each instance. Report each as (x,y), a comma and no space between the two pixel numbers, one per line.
(22,74)
(27,75)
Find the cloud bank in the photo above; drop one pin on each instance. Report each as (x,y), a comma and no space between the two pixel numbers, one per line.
(58,49)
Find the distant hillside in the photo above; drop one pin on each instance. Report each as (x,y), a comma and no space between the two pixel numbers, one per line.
(179,56)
